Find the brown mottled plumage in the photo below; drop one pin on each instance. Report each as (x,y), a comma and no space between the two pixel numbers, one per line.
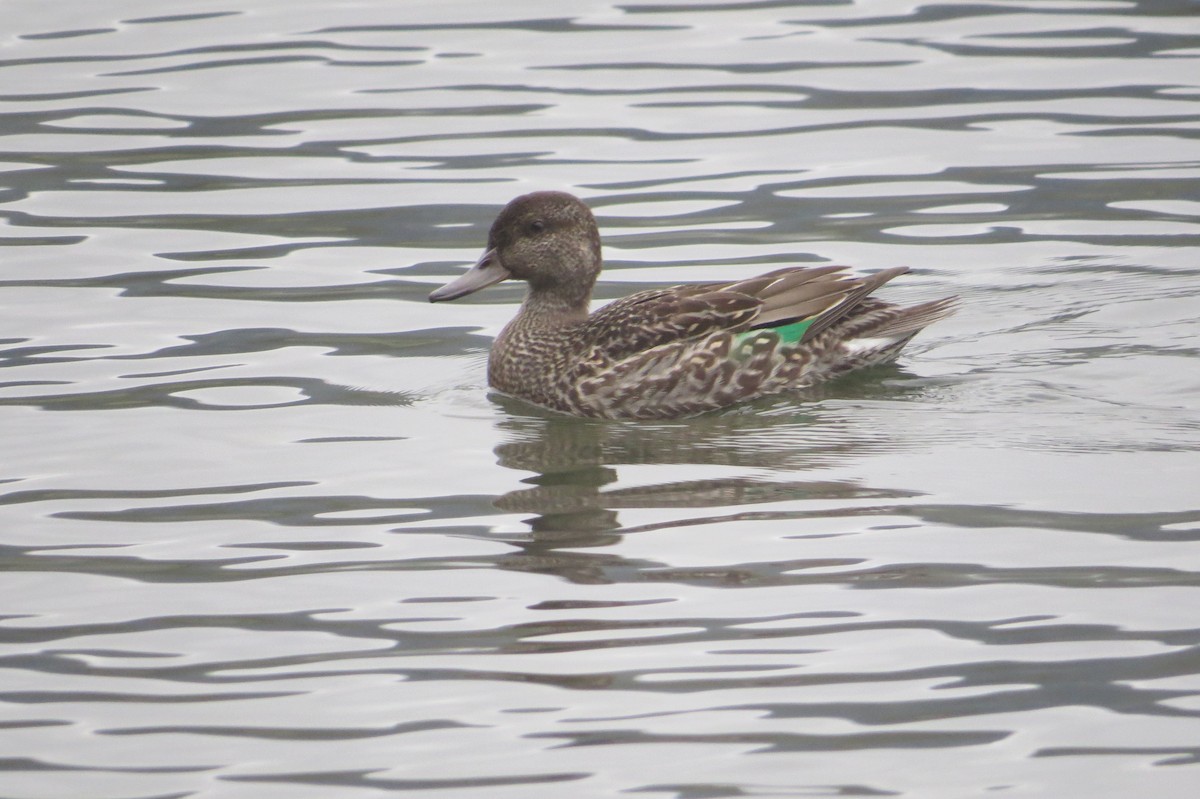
(674,352)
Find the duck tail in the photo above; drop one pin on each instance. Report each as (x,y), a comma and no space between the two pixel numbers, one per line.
(878,336)
(913,319)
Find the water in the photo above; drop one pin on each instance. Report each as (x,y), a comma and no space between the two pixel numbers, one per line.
(265,534)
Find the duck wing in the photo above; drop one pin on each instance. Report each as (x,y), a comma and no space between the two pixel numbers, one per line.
(648,319)
(813,298)
(810,300)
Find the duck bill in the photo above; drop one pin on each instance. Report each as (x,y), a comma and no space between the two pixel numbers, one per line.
(486,271)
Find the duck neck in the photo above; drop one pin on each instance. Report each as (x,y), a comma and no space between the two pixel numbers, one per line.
(551,308)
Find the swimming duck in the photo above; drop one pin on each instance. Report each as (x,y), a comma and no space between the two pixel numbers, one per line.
(673,352)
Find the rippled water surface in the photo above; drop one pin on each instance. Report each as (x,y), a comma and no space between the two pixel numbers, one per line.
(265,534)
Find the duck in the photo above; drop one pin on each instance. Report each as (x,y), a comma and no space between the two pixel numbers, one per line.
(677,352)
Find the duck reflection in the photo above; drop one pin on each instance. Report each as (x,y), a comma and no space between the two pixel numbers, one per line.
(573,460)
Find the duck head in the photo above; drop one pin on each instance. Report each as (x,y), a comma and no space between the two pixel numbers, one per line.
(548,239)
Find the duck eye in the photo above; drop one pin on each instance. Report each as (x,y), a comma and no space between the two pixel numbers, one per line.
(537,226)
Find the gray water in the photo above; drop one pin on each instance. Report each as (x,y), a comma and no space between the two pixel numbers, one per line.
(265,533)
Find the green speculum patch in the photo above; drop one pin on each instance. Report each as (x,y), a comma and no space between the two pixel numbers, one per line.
(793,332)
